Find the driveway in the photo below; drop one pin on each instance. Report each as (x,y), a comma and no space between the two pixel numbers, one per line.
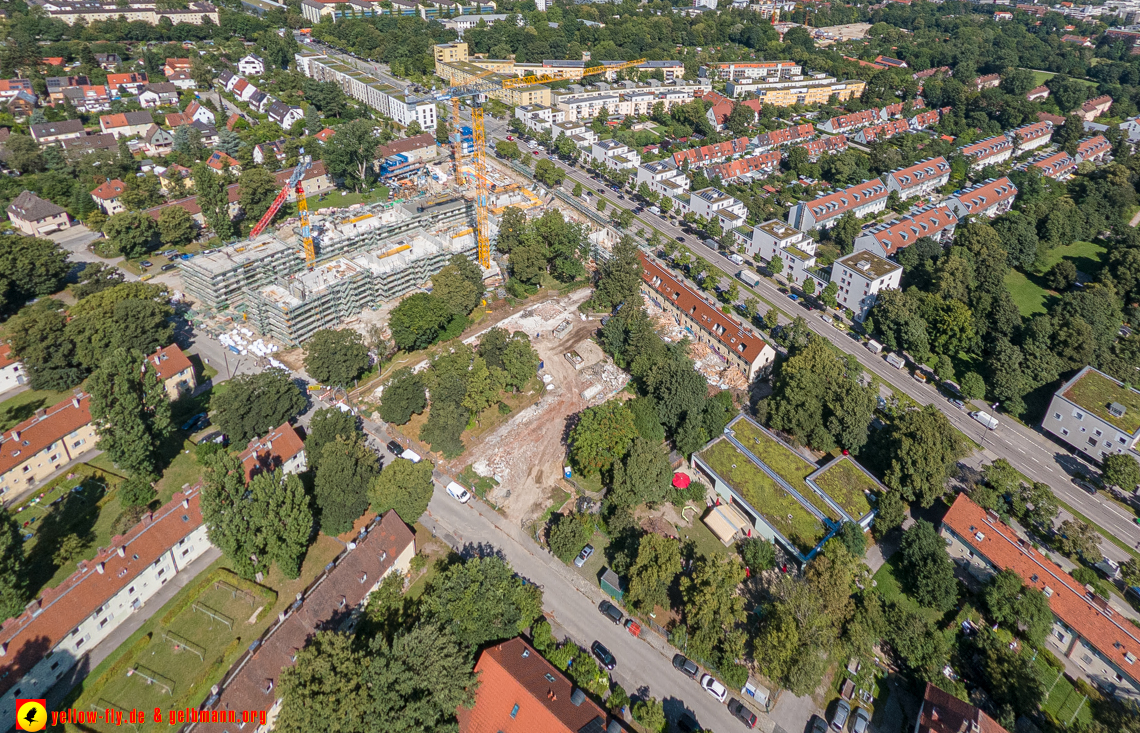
(75,241)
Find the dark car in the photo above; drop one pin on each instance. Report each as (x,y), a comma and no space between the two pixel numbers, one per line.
(818,724)
(613,612)
(743,714)
(685,665)
(394,448)
(680,238)
(601,190)
(168,267)
(189,424)
(603,655)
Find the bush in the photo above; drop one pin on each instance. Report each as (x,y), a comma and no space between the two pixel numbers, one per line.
(1088,576)
(128,518)
(758,554)
(650,714)
(504,408)
(541,636)
(566,536)
(734,676)
(136,491)
(618,698)
(204,451)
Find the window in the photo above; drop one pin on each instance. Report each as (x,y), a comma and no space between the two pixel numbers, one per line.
(1122,440)
(1092,441)
(1085,658)
(1078,414)
(515,711)
(1064,431)
(1098,433)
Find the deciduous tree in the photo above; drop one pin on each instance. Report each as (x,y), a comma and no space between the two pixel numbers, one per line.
(403,486)
(336,357)
(254,404)
(13,568)
(130,410)
(657,565)
(602,436)
(419,320)
(403,396)
(929,569)
(131,232)
(481,600)
(327,425)
(347,468)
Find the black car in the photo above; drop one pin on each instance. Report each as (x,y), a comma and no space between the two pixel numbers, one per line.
(680,238)
(685,665)
(612,612)
(603,655)
(395,448)
(171,266)
(601,190)
(742,713)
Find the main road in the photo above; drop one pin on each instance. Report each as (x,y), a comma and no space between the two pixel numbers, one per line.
(1028,450)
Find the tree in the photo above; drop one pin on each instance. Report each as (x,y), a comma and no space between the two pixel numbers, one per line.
(326,426)
(418,321)
(757,553)
(257,188)
(917,643)
(657,565)
(566,536)
(444,428)
(131,232)
(13,567)
(482,388)
(349,154)
(892,512)
(30,267)
(973,386)
(1122,471)
(776,266)
(481,600)
(508,149)
(232,522)
(176,228)
(1078,538)
(853,539)
(513,225)
(38,334)
(130,411)
(619,280)
(602,436)
(929,568)
(548,173)
(403,396)
(68,548)
(336,357)
(1130,572)
(286,519)
(254,404)
(920,448)
(403,486)
(651,714)
(644,478)
(214,200)
(347,468)
(1013,604)
(460,285)
(136,491)
(577,192)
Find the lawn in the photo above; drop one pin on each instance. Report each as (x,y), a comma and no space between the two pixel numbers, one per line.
(335,199)
(702,537)
(779,508)
(846,483)
(1029,297)
(1029,291)
(19,408)
(1085,255)
(1062,701)
(1040,77)
(781,459)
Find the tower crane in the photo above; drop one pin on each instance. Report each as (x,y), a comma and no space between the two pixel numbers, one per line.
(294,184)
(478,87)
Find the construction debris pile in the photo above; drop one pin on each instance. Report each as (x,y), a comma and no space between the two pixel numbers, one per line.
(710,364)
(605,381)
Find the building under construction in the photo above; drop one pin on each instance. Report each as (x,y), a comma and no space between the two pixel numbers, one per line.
(362,260)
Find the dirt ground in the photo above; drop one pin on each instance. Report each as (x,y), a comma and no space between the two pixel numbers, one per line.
(526,454)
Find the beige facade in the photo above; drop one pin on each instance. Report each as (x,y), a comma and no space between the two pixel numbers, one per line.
(36,448)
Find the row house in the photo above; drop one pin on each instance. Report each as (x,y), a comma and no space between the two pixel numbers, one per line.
(860,277)
(1032,136)
(107,196)
(1094,108)
(89,98)
(711,153)
(663,177)
(862,199)
(990,198)
(737,344)
(1058,166)
(824,146)
(919,179)
(126,124)
(1037,94)
(756,166)
(853,121)
(737,70)
(990,151)
(50,133)
(32,451)
(885,240)
(9,88)
(923,120)
(1094,149)
(796,249)
(784,136)
(56,85)
(885,131)
(163,94)
(130,85)
(614,154)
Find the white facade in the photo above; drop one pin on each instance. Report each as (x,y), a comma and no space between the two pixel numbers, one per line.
(405,113)
(774,238)
(251,65)
(614,154)
(12,372)
(860,277)
(663,177)
(711,203)
(919,179)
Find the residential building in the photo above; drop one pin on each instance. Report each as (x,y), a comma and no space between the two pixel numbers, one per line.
(220,162)
(9,88)
(12,371)
(993,197)
(941,712)
(251,65)
(1088,634)
(195,12)
(853,121)
(539,117)
(987,81)
(1058,166)
(885,240)
(243,89)
(176,179)
(174,371)
(1082,41)
(56,85)
(925,119)
(106,196)
(384,547)
(107,61)
(893,63)
(182,79)
(669,69)
(816,89)
(36,448)
(737,344)
(49,133)
(162,94)
(89,144)
(756,166)
(521,692)
(623,98)
(861,199)
(1094,149)
(208,132)
(286,115)
(738,70)
(1036,94)
(884,131)
(990,151)
(614,154)
(422,147)
(22,105)
(227,79)
(325,135)
(157,141)
(130,84)
(315,181)
(663,177)
(271,151)
(1095,414)
(280,449)
(88,98)
(824,146)
(774,238)
(1032,136)
(1094,108)
(861,276)
(712,204)
(191,207)
(711,153)
(195,112)
(784,136)
(919,179)
(36,217)
(921,75)
(126,124)
(56,631)
(175,65)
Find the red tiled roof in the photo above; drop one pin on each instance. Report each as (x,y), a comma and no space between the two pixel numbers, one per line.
(861,62)
(177,119)
(943,713)
(931,72)
(272,451)
(50,619)
(721,111)
(183,64)
(114,80)
(1037,91)
(838,203)
(925,119)
(169,361)
(219,160)
(915,174)
(374,555)
(885,130)
(733,169)
(986,79)
(711,153)
(36,433)
(190,203)
(846,122)
(1057,120)
(1093,147)
(108,190)
(908,230)
(740,340)
(816,148)
(231,121)
(408,144)
(325,134)
(1056,165)
(987,148)
(985,195)
(53,60)
(1096,623)
(786,135)
(1096,102)
(516,695)
(1032,131)
(240,86)
(6,358)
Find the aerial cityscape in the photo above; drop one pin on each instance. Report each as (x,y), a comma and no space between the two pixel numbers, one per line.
(570,366)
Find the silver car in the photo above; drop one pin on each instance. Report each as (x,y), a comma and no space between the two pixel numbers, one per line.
(842,712)
(861,721)
(583,556)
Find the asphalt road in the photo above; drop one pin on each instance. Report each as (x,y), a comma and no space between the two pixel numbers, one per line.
(1029,450)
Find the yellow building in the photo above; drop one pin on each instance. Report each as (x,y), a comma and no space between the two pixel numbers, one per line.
(450,53)
(806,91)
(46,442)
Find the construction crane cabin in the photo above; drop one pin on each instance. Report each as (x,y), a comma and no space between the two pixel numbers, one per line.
(295,184)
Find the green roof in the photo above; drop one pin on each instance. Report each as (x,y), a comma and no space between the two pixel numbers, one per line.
(1095,391)
(848,485)
(788,464)
(798,253)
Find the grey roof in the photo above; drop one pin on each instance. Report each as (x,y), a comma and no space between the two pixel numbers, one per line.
(206,129)
(101,141)
(30,207)
(277,111)
(48,129)
(162,87)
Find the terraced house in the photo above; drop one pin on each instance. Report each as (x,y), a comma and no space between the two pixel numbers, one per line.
(919,179)
(46,442)
(861,199)
(990,151)
(885,240)
(993,197)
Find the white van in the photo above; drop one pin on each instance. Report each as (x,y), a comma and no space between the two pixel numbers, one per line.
(411,455)
(985,419)
(458,493)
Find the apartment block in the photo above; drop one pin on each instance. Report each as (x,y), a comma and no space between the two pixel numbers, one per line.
(990,151)
(772,238)
(919,179)
(663,177)
(861,276)
(862,199)
(623,98)
(993,197)
(740,70)
(614,154)
(146,11)
(1058,166)
(885,240)
(365,88)
(1095,414)
(12,371)
(817,89)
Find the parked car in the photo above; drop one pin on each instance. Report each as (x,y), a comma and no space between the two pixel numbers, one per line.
(861,722)
(171,266)
(583,556)
(842,711)
(612,612)
(713,686)
(957,403)
(793,297)
(458,493)
(395,448)
(145,263)
(685,665)
(603,655)
(1084,486)
(743,714)
(818,724)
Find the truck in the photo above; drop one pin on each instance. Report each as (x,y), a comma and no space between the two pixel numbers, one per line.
(749,277)
(986,419)
(896,361)
(874,347)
